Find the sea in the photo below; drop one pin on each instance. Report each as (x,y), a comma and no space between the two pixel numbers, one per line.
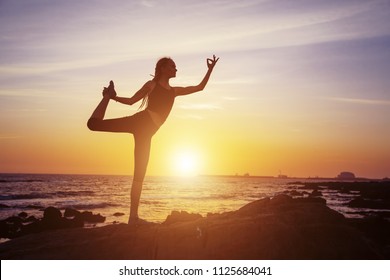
(109,195)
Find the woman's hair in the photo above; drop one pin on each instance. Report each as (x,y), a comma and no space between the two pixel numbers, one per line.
(156,77)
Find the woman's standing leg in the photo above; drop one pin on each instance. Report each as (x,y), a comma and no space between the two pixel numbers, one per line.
(141,159)
(136,125)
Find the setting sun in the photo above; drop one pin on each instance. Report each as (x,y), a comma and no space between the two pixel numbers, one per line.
(186,163)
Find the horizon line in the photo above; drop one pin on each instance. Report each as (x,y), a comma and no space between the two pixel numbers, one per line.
(203,175)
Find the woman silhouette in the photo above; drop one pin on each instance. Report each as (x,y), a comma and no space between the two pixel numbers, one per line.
(158,98)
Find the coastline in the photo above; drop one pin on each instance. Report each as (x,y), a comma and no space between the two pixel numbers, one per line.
(285,177)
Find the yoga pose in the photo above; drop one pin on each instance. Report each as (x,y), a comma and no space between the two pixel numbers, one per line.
(158,97)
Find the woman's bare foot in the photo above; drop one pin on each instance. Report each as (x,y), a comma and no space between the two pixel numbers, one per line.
(111,90)
(138,222)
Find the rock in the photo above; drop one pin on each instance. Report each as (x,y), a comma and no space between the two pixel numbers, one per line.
(89,217)
(23,215)
(52,219)
(296,193)
(10,227)
(320,200)
(315,193)
(375,228)
(3,206)
(282,199)
(20,225)
(376,191)
(31,219)
(254,207)
(369,203)
(52,215)
(71,212)
(86,216)
(179,217)
(118,214)
(14,220)
(293,193)
(278,228)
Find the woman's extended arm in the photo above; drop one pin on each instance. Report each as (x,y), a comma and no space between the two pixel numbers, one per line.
(191,89)
(146,88)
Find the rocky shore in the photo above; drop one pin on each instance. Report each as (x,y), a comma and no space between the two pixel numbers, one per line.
(369,199)
(23,224)
(279,228)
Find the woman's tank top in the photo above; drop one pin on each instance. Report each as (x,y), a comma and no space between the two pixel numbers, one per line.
(160,102)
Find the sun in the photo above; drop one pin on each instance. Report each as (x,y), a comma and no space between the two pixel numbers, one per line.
(186,163)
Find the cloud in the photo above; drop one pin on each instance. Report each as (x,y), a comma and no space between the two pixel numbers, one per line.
(148,3)
(320,23)
(360,101)
(75,34)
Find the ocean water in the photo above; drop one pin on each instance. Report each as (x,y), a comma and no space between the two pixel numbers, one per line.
(109,195)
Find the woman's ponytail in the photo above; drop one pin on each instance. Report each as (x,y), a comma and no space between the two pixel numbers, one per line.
(157,75)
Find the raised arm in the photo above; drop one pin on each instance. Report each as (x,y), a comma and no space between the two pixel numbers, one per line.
(145,89)
(191,89)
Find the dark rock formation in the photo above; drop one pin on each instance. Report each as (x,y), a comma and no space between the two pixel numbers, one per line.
(182,216)
(23,224)
(89,217)
(118,214)
(361,202)
(371,195)
(71,212)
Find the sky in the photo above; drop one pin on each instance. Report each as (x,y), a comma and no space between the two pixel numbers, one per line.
(301,87)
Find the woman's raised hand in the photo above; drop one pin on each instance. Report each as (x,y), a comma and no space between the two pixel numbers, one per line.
(211,62)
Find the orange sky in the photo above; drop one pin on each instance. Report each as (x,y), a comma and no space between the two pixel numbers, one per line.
(300,88)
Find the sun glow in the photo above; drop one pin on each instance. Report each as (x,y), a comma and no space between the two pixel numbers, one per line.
(186,163)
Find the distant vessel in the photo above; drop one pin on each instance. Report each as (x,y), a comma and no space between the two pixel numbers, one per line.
(281,176)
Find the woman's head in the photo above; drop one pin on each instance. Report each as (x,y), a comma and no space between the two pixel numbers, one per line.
(165,67)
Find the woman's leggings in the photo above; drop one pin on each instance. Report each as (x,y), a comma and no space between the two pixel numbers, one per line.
(141,126)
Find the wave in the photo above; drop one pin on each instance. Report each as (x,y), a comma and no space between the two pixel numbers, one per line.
(73,193)
(25,196)
(21,181)
(77,206)
(20,207)
(152,202)
(100,205)
(42,195)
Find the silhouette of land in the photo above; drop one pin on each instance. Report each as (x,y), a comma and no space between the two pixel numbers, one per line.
(281,176)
